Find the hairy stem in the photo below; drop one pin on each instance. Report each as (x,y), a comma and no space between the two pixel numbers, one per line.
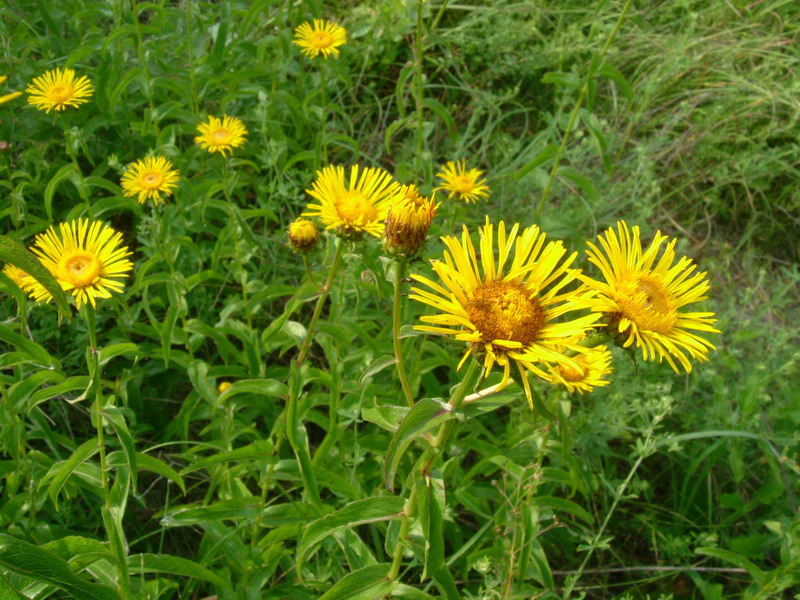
(399,275)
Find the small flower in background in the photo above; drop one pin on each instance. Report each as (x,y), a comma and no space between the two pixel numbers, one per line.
(323,38)
(86,259)
(221,135)
(8,97)
(359,207)
(224,386)
(16,274)
(149,179)
(58,89)
(408,221)
(303,235)
(642,298)
(466,185)
(595,365)
(514,316)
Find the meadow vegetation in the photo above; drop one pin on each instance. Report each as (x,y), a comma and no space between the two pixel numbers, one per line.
(253,411)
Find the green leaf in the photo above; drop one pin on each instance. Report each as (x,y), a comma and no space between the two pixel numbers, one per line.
(14,253)
(431,503)
(270,388)
(49,191)
(619,79)
(440,111)
(426,414)
(114,350)
(145,462)
(736,559)
(562,505)
(117,420)
(368,583)
(36,563)
(376,366)
(561,78)
(79,550)
(260,450)
(173,565)
(79,382)
(298,440)
(586,184)
(386,416)
(62,470)
(356,513)
(546,154)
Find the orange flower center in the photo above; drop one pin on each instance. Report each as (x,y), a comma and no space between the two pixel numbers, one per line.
(570,374)
(221,136)
(647,303)
(81,269)
(60,93)
(152,180)
(505,311)
(354,208)
(321,39)
(463,184)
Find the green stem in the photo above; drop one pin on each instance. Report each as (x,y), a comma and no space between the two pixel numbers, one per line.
(73,156)
(323,84)
(167,255)
(402,536)
(140,52)
(326,290)
(310,274)
(576,110)
(399,275)
(418,52)
(192,76)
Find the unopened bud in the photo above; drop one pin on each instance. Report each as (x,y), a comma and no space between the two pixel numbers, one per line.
(303,235)
(408,222)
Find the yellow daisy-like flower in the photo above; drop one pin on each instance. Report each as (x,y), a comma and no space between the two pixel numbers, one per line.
(303,235)
(149,179)
(642,299)
(466,184)
(359,207)
(517,315)
(86,259)
(221,135)
(409,219)
(15,274)
(595,365)
(8,97)
(224,386)
(323,38)
(58,89)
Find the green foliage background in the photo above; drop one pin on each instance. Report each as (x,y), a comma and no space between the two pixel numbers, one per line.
(694,131)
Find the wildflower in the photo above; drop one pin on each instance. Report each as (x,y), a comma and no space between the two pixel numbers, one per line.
(15,274)
(359,207)
(221,135)
(508,316)
(150,178)
(85,258)
(323,38)
(467,185)
(8,97)
(595,365)
(58,89)
(641,298)
(224,386)
(303,235)
(408,221)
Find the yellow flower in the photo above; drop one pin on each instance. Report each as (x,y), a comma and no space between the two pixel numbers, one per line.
(58,89)
(149,178)
(323,38)
(642,298)
(221,135)
(595,364)
(514,316)
(303,235)
(86,258)
(359,207)
(408,221)
(15,274)
(224,386)
(467,185)
(8,97)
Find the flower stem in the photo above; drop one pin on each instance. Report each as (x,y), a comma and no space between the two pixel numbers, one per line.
(399,275)
(140,51)
(310,274)
(326,290)
(323,84)
(418,52)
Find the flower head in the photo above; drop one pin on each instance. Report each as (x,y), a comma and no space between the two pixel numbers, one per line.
(15,274)
(303,235)
(466,184)
(323,38)
(409,219)
(642,299)
(224,386)
(518,315)
(59,89)
(360,206)
(85,258)
(149,178)
(221,135)
(595,365)
(8,97)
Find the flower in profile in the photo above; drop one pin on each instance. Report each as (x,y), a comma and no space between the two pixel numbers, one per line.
(466,184)
(149,179)
(58,89)
(303,235)
(85,258)
(358,207)
(323,38)
(409,219)
(514,316)
(224,386)
(15,274)
(642,298)
(221,135)
(8,97)
(595,365)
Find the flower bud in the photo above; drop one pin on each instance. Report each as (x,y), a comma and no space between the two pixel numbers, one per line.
(4,146)
(408,222)
(303,235)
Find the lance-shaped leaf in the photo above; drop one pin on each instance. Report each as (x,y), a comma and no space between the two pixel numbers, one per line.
(431,502)
(365,584)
